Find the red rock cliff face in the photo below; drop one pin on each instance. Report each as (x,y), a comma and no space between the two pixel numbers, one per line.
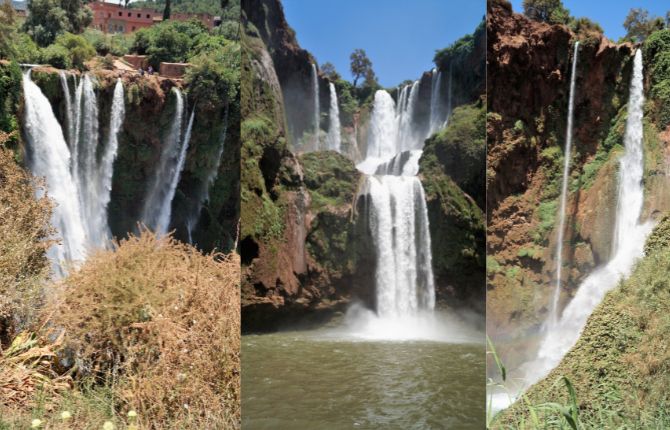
(529,66)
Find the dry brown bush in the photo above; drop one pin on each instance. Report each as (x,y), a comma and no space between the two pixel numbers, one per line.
(23,232)
(161,323)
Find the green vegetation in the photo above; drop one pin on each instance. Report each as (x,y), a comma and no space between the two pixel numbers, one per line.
(639,24)
(48,19)
(461,149)
(657,59)
(551,11)
(331,178)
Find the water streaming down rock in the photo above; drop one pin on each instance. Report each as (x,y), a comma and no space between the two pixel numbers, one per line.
(553,312)
(630,235)
(49,157)
(317,110)
(334,139)
(399,222)
(407,136)
(202,195)
(158,203)
(436,108)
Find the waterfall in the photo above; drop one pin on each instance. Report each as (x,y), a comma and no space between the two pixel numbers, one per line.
(397,215)
(49,157)
(106,167)
(553,316)
(317,113)
(446,121)
(203,193)
(69,106)
(399,222)
(407,138)
(629,239)
(435,102)
(157,209)
(334,139)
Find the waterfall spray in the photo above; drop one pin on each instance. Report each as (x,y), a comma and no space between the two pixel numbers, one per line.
(553,315)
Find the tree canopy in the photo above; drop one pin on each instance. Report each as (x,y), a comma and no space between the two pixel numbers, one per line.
(639,24)
(550,11)
(361,66)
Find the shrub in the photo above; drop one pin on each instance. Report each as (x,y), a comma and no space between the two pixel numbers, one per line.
(80,50)
(213,77)
(23,245)
(57,56)
(160,322)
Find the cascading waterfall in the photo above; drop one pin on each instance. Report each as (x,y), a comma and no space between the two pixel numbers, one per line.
(49,157)
(334,138)
(629,239)
(397,213)
(553,315)
(203,193)
(392,128)
(317,113)
(399,222)
(158,203)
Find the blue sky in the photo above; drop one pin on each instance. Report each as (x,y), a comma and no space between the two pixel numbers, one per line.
(399,36)
(609,14)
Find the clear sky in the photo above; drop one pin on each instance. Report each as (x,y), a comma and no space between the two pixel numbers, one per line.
(399,36)
(609,14)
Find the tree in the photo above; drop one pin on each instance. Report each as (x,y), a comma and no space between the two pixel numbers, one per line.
(167,11)
(47,19)
(370,79)
(360,64)
(639,24)
(328,69)
(551,11)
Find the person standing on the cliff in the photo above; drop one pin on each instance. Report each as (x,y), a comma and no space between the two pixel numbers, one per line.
(150,70)
(141,71)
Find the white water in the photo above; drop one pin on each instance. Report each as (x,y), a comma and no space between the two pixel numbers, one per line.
(317,113)
(436,108)
(158,203)
(106,167)
(49,157)
(553,312)
(334,139)
(629,238)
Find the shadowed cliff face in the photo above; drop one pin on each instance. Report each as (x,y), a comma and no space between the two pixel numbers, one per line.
(149,100)
(525,135)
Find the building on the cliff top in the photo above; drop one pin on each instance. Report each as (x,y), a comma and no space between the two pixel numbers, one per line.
(114,18)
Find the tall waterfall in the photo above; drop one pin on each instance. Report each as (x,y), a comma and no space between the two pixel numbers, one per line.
(334,138)
(553,316)
(49,157)
(630,235)
(397,212)
(317,112)
(158,203)
(436,109)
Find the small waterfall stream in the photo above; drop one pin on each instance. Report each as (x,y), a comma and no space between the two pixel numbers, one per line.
(629,238)
(334,139)
(553,313)
(317,110)
(157,208)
